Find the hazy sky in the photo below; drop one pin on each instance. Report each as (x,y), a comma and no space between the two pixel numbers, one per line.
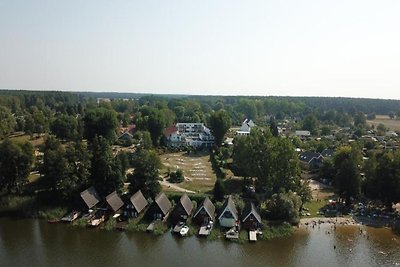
(321,48)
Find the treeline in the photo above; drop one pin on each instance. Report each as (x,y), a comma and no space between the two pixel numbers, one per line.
(57,112)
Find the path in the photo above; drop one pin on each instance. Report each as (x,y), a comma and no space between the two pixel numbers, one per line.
(164,182)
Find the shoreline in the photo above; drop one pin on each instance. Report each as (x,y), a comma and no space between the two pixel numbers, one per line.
(344,221)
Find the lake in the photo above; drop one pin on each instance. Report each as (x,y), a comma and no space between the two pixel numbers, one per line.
(29,242)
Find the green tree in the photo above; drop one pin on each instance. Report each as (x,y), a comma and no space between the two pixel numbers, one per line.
(55,164)
(65,127)
(100,122)
(153,121)
(326,131)
(384,177)
(8,122)
(347,162)
(327,170)
(274,128)
(381,128)
(107,173)
(219,190)
(285,206)
(219,123)
(146,174)
(359,119)
(271,160)
(15,164)
(66,171)
(310,123)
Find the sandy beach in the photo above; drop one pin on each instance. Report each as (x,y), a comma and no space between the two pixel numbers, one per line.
(312,222)
(340,221)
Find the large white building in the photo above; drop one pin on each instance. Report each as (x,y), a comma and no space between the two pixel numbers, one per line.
(246,127)
(189,134)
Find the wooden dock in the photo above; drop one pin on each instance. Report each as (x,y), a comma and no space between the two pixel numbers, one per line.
(205,230)
(177,229)
(253,236)
(150,228)
(232,234)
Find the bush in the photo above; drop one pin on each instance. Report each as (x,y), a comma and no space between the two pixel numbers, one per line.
(134,226)
(52,213)
(176,177)
(80,223)
(271,232)
(159,228)
(285,206)
(110,224)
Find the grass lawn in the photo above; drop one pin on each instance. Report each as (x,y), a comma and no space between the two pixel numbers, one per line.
(196,167)
(314,206)
(34,141)
(393,125)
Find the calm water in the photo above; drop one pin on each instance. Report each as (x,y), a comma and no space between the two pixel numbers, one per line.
(36,243)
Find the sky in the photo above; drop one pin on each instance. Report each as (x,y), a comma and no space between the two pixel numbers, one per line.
(347,48)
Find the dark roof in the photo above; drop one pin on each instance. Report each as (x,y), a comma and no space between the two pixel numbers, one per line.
(186,204)
(139,201)
(114,201)
(231,206)
(308,156)
(163,203)
(250,208)
(208,207)
(125,134)
(90,197)
(327,152)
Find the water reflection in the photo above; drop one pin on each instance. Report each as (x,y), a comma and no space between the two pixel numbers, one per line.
(42,244)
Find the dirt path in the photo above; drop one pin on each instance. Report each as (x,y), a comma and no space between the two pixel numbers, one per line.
(320,190)
(164,182)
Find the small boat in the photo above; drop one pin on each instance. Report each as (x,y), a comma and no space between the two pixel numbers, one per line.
(97,221)
(53,221)
(184,231)
(70,217)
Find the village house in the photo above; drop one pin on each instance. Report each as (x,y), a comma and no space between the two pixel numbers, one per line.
(188,134)
(205,213)
(90,197)
(161,207)
(183,209)
(251,219)
(327,153)
(136,204)
(302,134)
(114,202)
(127,137)
(246,127)
(311,160)
(229,216)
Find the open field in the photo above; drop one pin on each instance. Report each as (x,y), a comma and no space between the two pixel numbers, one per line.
(34,141)
(196,167)
(393,125)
